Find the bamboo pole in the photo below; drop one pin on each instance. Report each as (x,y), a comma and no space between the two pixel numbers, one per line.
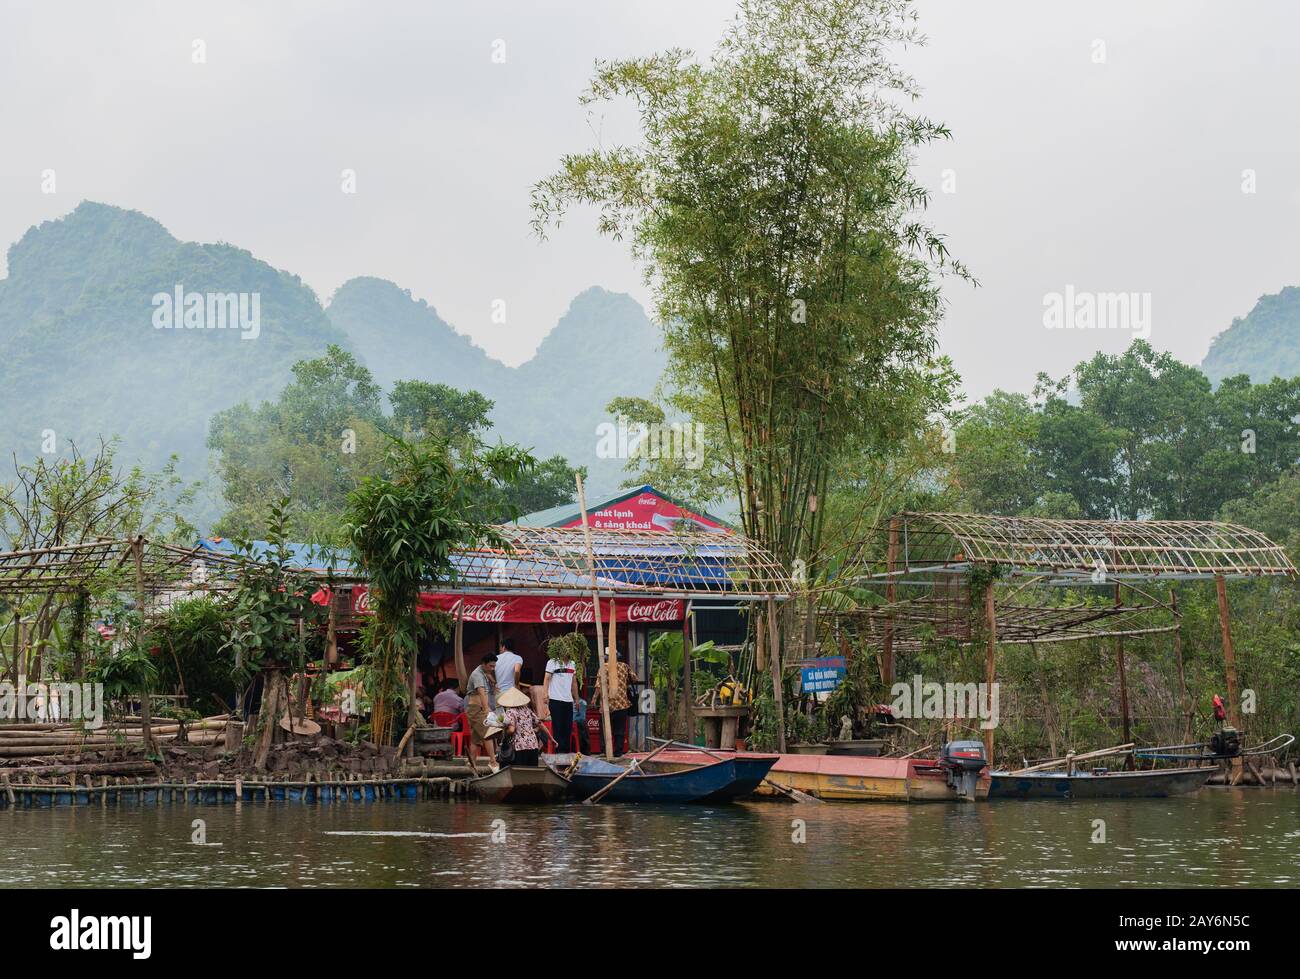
(634,765)
(990,660)
(595,604)
(887,658)
(413,717)
(146,715)
(774,635)
(331,632)
(611,660)
(1229,656)
(1086,756)
(458,645)
(1123,683)
(690,637)
(1182,677)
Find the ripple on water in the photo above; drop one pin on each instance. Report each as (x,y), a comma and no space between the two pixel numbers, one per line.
(1212,837)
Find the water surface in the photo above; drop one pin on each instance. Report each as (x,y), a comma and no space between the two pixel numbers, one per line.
(1220,837)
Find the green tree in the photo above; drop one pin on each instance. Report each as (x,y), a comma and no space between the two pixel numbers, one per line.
(313,444)
(422,409)
(403,526)
(996,468)
(771,201)
(327,432)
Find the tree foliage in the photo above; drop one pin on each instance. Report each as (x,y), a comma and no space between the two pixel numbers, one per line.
(1131,436)
(403,526)
(771,201)
(328,431)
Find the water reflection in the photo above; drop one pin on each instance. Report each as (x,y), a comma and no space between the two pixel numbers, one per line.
(1224,837)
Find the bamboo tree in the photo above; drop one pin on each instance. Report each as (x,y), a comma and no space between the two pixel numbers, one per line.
(403,526)
(771,203)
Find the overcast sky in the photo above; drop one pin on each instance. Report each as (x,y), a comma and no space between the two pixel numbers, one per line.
(1099,145)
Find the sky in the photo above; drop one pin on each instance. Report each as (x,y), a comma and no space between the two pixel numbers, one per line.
(1147,148)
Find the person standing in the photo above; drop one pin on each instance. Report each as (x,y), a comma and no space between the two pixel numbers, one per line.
(509,663)
(521,725)
(480,698)
(619,702)
(560,671)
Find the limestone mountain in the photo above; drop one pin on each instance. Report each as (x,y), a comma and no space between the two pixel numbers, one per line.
(109,325)
(83,355)
(603,346)
(1265,343)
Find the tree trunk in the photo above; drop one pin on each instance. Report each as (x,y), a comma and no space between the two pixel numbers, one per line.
(269,717)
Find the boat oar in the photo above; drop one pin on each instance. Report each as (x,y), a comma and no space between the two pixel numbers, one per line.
(600,793)
(794,795)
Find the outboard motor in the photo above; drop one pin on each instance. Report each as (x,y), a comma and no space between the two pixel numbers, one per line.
(962,762)
(1226,742)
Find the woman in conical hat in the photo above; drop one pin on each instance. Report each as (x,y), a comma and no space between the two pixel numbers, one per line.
(521,724)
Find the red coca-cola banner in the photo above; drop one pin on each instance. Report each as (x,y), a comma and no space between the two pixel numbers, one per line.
(558,609)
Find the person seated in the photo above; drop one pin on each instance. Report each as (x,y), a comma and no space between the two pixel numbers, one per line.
(449,700)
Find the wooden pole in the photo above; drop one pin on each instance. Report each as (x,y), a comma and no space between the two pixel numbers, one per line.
(689,637)
(634,765)
(146,715)
(458,646)
(595,604)
(331,632)
(990,663)
(1049,723)
(1182,678)
(774,635)
(611,662)
(18,646)
(1123,683)
(1229,656)
(413,688)
(887,658)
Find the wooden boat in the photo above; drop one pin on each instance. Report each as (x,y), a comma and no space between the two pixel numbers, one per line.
(871,747)
(522,783)
(850,778)
(750,772)
(1100,784)
(699,783)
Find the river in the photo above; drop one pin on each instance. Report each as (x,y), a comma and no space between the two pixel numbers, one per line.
(1223,837)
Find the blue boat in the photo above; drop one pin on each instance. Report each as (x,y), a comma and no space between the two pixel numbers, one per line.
(749,773)
(707,783)
(1100,784)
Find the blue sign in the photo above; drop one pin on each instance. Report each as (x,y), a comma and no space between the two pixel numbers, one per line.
(821,675)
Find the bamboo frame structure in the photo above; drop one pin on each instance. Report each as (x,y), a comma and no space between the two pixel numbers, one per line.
(1132,549)
(923,586)
(936,560)
(156,568)
(626,562)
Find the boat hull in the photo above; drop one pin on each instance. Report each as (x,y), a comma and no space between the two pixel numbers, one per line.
(522,784)
(1112,785)
(846,778)
(702,783)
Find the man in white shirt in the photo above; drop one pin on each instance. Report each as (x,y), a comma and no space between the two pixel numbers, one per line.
(560,698)
(509,663)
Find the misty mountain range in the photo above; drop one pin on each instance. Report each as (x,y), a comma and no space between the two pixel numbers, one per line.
(83,353)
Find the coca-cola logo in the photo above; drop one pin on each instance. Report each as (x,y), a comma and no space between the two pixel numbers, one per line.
(570,612)
(665,611)
(492,610)
(362,601)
